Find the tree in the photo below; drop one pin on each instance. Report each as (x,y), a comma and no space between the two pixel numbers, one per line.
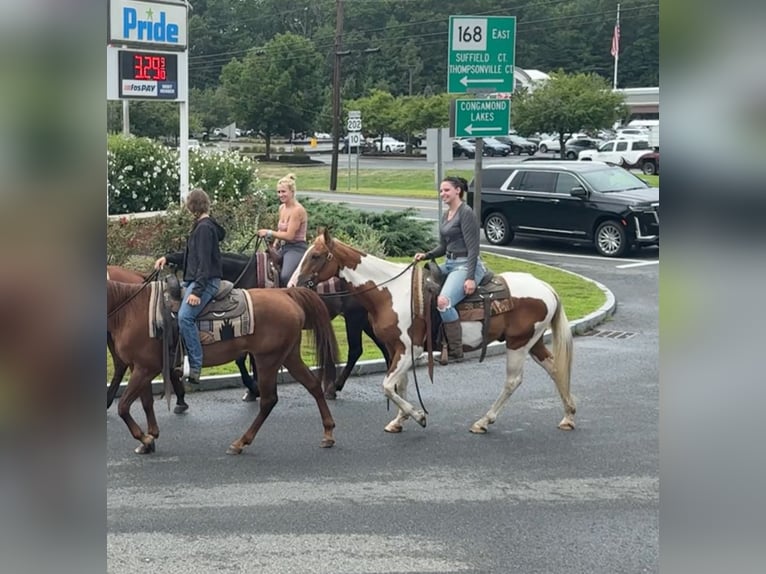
(567,104)
(276,89)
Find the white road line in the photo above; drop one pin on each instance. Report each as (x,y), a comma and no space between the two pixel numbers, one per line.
(555,254)
(639,264)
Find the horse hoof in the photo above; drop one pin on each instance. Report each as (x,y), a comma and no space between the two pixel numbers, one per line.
(249,397)
(233,450)
(567,424)
(145,448)
(476,429)
(422,421)
(393,428)
(330,396)
(181,408)
(327,443)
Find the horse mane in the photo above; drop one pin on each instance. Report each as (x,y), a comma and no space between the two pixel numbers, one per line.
(117,293)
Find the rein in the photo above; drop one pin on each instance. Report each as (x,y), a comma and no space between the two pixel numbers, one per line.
(250,260)
(312,285)
(149,279)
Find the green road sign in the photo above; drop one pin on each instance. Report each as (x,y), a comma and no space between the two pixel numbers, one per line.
(480,118)
(481,54)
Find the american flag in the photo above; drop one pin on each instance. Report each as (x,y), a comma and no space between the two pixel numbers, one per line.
(616,40)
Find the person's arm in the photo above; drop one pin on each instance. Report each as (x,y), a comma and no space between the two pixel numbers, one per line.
(469,228)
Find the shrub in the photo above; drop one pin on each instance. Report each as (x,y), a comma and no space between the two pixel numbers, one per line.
(143,175)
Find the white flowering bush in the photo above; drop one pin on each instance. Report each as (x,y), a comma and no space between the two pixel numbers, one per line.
(143,175)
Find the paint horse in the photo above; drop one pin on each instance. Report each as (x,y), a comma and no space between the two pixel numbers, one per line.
(279,316)
(385,289)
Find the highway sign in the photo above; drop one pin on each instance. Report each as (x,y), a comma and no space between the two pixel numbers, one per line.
(354,139)
(480,118)
(354,122)
(481,54)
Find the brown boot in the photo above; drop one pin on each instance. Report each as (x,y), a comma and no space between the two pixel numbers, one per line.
(454,334)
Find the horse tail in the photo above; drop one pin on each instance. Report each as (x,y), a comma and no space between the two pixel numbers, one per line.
(318,320)
(562,342)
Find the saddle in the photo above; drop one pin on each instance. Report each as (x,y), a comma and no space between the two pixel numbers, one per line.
(228,315)
(492,297)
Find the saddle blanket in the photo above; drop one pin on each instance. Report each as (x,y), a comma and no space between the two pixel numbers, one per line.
(220,320)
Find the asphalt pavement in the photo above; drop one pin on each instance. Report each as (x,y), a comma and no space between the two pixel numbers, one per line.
(525,498)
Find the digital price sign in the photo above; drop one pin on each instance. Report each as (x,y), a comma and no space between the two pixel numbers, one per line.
(148,75)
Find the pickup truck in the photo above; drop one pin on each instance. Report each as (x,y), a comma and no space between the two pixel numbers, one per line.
(628,153)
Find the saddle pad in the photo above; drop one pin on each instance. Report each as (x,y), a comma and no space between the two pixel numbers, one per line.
(265,273)
(236,321)
(330,287)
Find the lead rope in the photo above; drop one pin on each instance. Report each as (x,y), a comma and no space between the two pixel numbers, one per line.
(413,285)
(149,279)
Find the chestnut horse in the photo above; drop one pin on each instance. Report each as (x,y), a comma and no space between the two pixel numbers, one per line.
(279,316)
(241,269)
(385,289)
(117,273)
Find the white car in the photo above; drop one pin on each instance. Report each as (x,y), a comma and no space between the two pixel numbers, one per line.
(552,144)
(626,152)
(389,144)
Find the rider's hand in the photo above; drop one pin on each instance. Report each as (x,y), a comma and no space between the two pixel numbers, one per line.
(160,263)
(419,256)
(193,300)
(469,286)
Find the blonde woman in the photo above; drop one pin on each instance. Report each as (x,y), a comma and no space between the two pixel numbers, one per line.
(290,236)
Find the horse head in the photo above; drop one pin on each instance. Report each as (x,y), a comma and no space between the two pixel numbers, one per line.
(320,261)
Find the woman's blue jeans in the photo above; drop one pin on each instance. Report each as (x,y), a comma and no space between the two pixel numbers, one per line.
(453,288)
(187,322)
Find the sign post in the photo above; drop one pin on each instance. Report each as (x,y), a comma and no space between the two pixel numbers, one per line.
(354,128)
(481,54)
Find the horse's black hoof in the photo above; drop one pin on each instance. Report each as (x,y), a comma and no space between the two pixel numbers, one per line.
(249,397)
(181,408)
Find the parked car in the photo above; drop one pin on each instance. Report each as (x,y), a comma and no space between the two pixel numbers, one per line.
(492,147)
(461,147)
(518,144)
(573,148)
(568,201)
(366,146)
(552,143)
(628,153)
(389,144)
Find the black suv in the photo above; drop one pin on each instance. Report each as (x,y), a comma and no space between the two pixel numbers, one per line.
(573,147)
(571,201)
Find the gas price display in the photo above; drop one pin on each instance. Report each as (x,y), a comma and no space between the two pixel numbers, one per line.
(148,75)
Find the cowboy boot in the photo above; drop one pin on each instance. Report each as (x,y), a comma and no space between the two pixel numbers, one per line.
(454,334)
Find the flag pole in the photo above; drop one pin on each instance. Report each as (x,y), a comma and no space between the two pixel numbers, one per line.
(616,46)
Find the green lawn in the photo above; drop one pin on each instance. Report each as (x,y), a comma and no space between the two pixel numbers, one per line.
(580,298)
(387,182)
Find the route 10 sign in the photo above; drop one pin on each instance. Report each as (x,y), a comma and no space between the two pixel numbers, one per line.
(354,122)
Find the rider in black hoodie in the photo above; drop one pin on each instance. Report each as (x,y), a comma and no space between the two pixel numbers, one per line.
(202,275)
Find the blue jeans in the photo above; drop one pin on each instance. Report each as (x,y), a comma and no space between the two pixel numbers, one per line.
(453,288)
(187,322)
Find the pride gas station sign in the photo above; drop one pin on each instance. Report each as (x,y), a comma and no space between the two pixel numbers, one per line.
(157,24)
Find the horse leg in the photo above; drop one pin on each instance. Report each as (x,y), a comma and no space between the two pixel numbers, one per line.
(301,373)
(514,366)
(140,378)
(147,401)
(178,389)
(120,369)
(247,380)
(267,384)
(354,338)
(395,381)
(544,358)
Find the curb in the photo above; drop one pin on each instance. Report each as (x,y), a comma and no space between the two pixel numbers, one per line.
(577,327)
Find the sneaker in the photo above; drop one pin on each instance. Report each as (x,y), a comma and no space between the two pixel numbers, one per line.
(193,378)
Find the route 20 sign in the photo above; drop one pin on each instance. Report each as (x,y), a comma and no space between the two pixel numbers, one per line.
(481,54)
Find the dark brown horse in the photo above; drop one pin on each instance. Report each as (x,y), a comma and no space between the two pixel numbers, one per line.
(117,273)
(241,270)
(279,316)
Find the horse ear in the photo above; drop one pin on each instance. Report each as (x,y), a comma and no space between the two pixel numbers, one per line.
(327,237)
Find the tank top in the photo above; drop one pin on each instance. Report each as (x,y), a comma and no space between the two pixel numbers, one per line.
(300,235)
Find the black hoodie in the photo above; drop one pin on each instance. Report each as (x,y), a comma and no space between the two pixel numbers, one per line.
(202,258)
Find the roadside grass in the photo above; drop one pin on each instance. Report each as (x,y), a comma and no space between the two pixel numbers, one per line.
(417,183)
(580,298)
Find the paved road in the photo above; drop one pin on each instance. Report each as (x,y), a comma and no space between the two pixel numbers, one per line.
(525,498)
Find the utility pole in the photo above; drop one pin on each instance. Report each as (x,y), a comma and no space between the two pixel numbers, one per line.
(336,96)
